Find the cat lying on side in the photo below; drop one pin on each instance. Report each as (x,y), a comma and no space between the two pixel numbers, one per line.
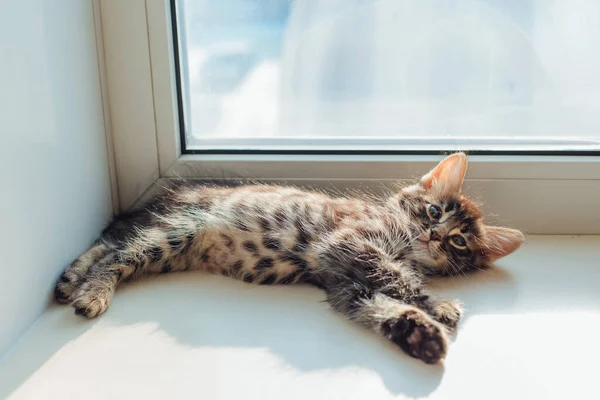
(369,256)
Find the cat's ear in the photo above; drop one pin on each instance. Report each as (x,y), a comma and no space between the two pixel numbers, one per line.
(500,242)
(448,175)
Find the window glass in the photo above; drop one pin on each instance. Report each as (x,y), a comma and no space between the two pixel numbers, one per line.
(390,74)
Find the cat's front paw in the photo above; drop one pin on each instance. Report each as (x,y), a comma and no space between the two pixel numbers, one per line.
(448,312)
(418,335)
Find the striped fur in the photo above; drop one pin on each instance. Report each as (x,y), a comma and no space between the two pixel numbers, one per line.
(369,256)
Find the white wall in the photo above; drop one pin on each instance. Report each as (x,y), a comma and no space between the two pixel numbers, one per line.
(55,194)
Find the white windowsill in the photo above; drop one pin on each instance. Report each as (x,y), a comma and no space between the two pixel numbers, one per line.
(529,332)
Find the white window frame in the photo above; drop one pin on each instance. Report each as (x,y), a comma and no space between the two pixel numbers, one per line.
(538,194)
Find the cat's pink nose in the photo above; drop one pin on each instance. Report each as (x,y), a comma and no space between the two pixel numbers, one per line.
(435,235)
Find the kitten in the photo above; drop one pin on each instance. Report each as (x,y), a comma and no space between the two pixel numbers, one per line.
(370,257)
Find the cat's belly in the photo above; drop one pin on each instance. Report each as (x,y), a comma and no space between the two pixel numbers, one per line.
(251,257)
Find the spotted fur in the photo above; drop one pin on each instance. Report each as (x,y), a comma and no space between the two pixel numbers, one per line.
(369,256)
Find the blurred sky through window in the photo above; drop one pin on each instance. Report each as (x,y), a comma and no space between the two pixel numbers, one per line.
(307,69)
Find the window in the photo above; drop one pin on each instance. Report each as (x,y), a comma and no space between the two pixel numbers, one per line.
(309,92)
(389,75)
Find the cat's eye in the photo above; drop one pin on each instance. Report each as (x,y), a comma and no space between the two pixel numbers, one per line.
(434,212)
(458,241)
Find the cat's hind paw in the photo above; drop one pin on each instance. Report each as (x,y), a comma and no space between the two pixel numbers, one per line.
(92,299)
(65,287)
(70,281)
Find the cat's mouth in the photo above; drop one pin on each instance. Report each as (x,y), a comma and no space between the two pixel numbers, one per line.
(431,246)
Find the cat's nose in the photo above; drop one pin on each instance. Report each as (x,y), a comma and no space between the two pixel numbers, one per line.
(435,235)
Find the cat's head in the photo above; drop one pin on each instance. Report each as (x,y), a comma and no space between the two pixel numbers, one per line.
(451,237)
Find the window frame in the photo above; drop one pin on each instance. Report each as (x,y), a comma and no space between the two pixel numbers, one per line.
(140,75)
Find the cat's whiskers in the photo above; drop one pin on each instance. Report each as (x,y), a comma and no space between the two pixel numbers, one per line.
(458,270)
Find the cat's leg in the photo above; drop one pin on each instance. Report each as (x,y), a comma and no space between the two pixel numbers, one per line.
(409,327)
(401,282)
(72,278)
(382,292)
(448,312)
(148,253)
(97,288)
(150,249)
(364,260)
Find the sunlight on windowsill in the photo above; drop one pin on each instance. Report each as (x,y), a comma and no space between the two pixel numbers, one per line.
(530,321)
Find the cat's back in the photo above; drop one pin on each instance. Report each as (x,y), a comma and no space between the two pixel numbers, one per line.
(272,222)
(268,207)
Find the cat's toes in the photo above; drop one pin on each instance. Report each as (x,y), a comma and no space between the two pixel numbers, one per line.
(65,287)
(92,300)
(419,336)
(448,312)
